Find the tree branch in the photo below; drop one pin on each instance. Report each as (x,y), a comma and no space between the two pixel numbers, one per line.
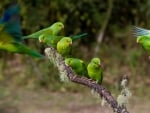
(58,61)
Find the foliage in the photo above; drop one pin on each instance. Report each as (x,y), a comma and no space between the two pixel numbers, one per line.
(118,48)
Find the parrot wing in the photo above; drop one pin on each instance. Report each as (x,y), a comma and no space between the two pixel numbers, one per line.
(137,31)
(10,22)
(36,35)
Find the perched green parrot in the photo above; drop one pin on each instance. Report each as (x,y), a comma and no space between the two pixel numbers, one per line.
(95,70)
(143,37)
(53,40)
(78,66)
(10,33)
(64,46)
(54,29)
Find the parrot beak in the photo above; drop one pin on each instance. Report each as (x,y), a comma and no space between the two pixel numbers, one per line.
(63,27)
(70,44)
(137,41)
(40,40)
(41,37)
(100,65)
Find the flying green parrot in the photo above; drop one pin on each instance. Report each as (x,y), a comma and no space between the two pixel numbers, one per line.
(78,66)
(54,29)
(64,46)
(10,33)
(53,40)
(143,37)
(95,71)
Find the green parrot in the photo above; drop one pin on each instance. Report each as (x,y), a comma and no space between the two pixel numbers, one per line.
(54,29)
(64,46)
(10,33)
(143,37)
(78,66)
(53,40)
(95,70)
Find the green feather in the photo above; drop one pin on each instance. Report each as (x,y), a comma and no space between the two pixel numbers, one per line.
(16,47)
(143,37)
(80,36)
(95,70)
(145,42)
(78,66)
(53,40)
(10,33)
(64,46)
(54,29)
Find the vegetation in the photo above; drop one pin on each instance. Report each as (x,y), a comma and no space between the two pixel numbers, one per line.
(118,50)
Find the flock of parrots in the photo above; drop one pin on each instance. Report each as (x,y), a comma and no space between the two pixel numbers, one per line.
(11,40)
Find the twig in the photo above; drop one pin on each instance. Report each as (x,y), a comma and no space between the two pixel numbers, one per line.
(58,60)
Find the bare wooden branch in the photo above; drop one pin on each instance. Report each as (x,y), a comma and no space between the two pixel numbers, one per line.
(58,61)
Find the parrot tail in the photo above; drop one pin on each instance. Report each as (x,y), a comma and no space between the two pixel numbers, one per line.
(35,54)
(84,35)
(26,37)
(137,31)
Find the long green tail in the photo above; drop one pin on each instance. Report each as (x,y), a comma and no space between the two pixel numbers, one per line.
(29,36)
(84,35)
(35,54)
(21,48)
(25,37)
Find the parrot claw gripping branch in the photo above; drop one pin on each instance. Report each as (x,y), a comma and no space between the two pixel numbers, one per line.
(58,61)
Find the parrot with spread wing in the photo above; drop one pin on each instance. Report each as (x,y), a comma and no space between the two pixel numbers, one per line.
(53,40)
(77,65)
(10,33)
(95,71)
(10,21)
(54,29)
(64,46)
(143,37)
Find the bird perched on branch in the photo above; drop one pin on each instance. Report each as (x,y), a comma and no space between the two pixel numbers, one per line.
(64,46)
(77,65)
(95,71)
(52,40)
(54,29)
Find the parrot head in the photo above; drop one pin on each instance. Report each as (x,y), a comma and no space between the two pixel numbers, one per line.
(67,40)
(41,38)
(96,61)
(68,61)
(57,27)
(140,39)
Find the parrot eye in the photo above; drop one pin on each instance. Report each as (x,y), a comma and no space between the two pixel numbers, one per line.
(69,62)
(59,25)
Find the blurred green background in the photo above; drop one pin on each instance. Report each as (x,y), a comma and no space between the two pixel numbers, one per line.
(118,50)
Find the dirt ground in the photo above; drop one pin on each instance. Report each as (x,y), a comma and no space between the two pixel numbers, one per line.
(43,101)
